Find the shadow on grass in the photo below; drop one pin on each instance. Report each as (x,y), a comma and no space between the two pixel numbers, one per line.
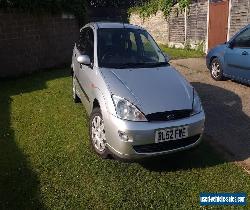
(226,138)
(19,184)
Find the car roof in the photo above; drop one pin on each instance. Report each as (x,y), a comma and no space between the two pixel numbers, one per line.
(114,25)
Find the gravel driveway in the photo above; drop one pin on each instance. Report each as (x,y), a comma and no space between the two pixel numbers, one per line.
(227,108)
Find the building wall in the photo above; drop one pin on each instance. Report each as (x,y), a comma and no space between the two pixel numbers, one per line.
(171,31)
(29,43)
(240,15)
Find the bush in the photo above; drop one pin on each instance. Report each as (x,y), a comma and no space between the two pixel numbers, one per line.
(150,7)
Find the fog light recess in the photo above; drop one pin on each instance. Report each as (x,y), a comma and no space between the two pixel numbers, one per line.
(124,136)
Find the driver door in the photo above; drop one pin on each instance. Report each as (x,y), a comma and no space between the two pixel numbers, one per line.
(85,72)
(237,57)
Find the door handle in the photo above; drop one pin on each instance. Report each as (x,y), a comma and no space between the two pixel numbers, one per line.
(245,53)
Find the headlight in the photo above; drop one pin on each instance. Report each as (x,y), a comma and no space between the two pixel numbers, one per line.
(127,111)
(197,107)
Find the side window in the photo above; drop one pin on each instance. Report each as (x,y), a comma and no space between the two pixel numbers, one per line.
(86,43)
(148,49)
(243,40)
(133,42)
(90,44)
(82,41)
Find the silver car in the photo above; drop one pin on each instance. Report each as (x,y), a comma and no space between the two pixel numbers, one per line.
(139,105)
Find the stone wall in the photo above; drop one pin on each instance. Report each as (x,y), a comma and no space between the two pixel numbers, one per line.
(171,31)
(29,43)
(176,21)
(156,25)
(240,15)
(197,23)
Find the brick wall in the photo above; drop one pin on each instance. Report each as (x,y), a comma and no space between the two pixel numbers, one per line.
(171,31)
(30,43)
(240,15)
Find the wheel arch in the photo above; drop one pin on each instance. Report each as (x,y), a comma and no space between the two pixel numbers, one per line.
(211,59)
(95,104)
(99,101)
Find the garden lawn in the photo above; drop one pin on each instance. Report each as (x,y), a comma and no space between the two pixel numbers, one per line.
(176,53)
(46,160)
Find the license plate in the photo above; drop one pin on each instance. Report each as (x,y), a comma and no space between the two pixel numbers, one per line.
(171,134)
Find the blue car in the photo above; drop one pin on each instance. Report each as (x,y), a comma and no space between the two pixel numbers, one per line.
(231,59)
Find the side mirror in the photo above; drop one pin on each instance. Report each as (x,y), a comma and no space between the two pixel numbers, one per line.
(168,58)
(231,44)
(83,59)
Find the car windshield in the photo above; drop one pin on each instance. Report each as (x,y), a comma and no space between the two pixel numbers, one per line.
(128,48)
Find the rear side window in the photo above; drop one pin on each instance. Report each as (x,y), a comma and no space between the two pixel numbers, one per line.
(243,39)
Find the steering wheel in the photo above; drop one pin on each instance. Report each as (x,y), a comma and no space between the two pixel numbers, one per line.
(107,54)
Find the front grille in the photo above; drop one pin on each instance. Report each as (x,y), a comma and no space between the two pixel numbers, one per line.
(165,146)
(169,115)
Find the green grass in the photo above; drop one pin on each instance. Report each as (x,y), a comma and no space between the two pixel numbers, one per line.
(46,160)
(176,53)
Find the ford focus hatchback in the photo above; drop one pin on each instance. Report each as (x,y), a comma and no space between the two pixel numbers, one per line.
(231,59)
(139,105)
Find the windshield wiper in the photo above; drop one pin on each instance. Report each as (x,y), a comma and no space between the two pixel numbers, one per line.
(129,65)
(140,65)
(159,64)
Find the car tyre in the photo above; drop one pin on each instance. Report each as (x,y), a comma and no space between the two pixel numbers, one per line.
(76,98)
(97,134)
(216,70)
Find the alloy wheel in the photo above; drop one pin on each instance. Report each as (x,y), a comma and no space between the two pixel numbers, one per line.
(216,70)
(98,134)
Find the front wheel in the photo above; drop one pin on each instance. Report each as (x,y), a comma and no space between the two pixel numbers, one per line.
(216,70)
(97,133)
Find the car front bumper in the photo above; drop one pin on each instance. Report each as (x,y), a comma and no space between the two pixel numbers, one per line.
(141,136)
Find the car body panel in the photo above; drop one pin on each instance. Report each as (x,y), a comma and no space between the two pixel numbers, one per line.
(114,25)
(151,89)
(238,63)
